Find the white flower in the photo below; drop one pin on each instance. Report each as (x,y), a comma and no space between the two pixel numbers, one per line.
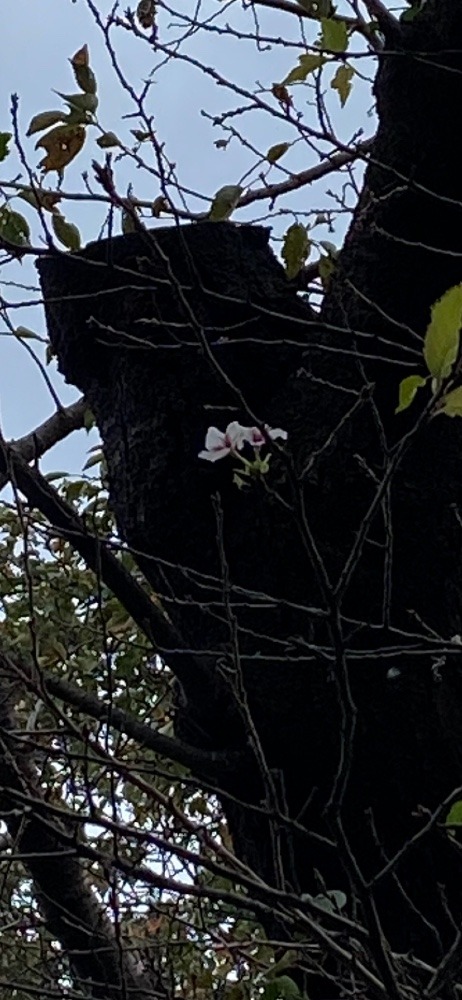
(256,438)
(219,444)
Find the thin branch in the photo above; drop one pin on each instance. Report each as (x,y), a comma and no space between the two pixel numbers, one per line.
(267,192)
(190,669)
(384,18)
(207,762)
(69,905)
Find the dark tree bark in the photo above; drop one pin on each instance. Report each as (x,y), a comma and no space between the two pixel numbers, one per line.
(330,676)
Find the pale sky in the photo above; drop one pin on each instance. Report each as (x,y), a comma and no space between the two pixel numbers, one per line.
(39,36)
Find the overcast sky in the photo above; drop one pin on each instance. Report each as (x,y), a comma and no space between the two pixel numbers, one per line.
(38,37)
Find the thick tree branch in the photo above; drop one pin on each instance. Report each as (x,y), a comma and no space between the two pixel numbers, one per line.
(46,435)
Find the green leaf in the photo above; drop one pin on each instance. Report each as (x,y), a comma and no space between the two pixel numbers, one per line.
(334,35)
(451,404)
(39,198)
(407,390)
(341,82)
(88,420)
(23,333)
(80,102)
(308,64)
(66,232)
(49,354)
(95,459)
(282,988)
(225,202)
(317,8)
(139,135)
(4,140)
(275,152)
(14,227)
(44,120)
(454,816)
(52,476)
(107,140)
(296,249)
(85,78)
(441,342)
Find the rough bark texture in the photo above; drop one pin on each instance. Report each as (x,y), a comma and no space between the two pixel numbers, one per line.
(146,325)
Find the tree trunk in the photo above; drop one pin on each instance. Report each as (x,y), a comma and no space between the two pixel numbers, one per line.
(344,693)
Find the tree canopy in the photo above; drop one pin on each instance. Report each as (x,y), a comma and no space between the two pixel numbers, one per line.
(230,697)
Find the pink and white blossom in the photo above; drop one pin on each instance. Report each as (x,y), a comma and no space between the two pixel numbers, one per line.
(219,444)
(256,438)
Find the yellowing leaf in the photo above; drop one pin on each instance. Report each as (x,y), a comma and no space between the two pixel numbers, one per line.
(160,204)
(66,232)
(341,82)
(225,202)
(40,199)
(81,57)
(441,342)
(451,404)
(146,13)
(61,144)
(407,391)
(84,76)
(4,140)
(107,140)
(44,120)
(282,95)
(308,64)
(275,152)
(296,249)
(334,35)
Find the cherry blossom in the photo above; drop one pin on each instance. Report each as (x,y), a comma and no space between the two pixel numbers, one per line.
(219,444)
(256,438)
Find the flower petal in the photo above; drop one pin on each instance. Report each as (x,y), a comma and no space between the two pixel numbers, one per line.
(215,439)
(255,437)
(236,434)
(277,432)
(213,456)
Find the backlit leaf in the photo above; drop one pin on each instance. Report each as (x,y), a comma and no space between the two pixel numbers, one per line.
(225,202)
(296,249)
(342,82)
(451,404)
(308,63)
(334,35)
(455,814)
(441,342)
(407,391)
